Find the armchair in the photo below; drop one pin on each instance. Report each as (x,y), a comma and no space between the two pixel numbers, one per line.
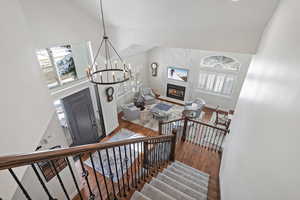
(193,109)
(147,95)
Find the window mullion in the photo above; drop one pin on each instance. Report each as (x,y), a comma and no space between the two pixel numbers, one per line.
(223,84)
(54,65)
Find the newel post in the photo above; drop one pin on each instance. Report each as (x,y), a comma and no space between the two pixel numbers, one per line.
(173,145)
(160,124)
(146,154)
(185,126)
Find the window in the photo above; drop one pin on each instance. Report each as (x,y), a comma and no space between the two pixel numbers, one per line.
(221,62)
(216,83)
(57,65)
(218,74)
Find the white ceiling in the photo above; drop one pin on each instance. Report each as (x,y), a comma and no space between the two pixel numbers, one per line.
(220,25)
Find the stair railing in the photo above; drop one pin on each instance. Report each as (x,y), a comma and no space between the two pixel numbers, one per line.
(123,166)
(195,132)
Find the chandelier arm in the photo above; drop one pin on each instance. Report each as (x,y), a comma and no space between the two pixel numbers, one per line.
(102,17)
(109,56)
(106,56)
(115,50)
(98,51)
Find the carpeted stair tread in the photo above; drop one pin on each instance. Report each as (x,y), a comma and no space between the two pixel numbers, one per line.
(176,194)
(202,182)
(190,172)
(154,193)
(191,168)
(181,187)
(139,196)
(185,181)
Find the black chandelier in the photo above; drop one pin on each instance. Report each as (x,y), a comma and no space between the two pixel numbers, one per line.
(113,71)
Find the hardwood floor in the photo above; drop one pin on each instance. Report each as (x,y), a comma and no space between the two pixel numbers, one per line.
(189,154)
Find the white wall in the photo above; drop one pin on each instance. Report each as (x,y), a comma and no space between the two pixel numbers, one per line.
(26,104)
(24,114)
(62,22)
(191,59)
(53,136)
(261,157)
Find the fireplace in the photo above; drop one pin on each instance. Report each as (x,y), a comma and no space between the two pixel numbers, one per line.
(175,91)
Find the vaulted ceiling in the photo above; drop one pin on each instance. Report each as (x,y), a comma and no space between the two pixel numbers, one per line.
(219,25)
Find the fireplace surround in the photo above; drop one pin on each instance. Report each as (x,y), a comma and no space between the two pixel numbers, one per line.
(176,91)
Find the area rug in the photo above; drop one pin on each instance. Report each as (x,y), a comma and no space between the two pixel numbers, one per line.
(115,158)
(162,106)
(174,112)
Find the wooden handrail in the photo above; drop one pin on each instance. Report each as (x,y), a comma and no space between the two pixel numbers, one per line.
(209,125)
(175,120)
(19,160)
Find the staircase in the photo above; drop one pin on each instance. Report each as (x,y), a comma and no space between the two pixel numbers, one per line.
(177,181)
(119,169)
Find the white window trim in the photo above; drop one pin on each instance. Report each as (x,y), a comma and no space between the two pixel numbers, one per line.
(235,77)
(202,65)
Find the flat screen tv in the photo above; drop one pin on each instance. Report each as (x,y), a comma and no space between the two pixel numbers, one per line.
(178,74)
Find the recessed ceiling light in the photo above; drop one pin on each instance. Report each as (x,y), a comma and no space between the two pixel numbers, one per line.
(235,0)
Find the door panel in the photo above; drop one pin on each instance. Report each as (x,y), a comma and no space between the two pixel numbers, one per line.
(81,118)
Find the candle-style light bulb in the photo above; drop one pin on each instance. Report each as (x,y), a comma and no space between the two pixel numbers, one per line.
(114,77)
(101,79)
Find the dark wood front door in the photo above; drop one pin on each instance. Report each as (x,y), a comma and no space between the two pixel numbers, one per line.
(81,118)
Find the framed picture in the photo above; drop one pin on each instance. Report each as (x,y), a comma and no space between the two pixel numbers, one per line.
(47,169)
(178,74)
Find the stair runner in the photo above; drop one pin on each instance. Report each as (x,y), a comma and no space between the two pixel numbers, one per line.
(177,182)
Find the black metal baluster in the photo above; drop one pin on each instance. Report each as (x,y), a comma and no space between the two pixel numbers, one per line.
(142,160)
(126,163)
(146,158)
(19,184)
(42,182)
(74,178)
(150,157)
(95,174)
(116,166)
(135,162)
(103,172)
(111,174)
(156,155)
(85,175)
(131,166)
(153,156)
(59,180)
(159,154)
(164,152)
(138,162)
(121,162)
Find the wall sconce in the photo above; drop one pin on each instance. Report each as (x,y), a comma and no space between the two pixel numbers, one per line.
(154,67)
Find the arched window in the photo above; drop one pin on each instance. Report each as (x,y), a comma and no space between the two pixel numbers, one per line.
(221,62)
